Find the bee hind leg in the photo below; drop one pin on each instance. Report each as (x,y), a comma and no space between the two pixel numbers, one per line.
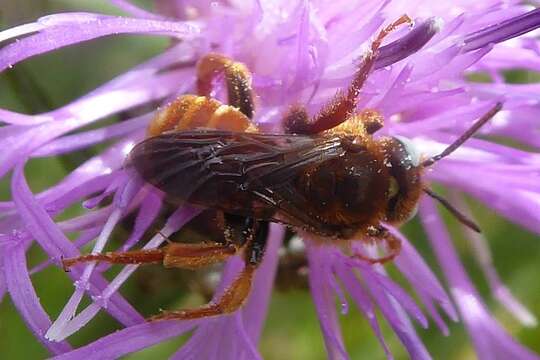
(238,231)
(236,294)
(393,245)
(128,257)
(237,78)
(231,300)
(186,256)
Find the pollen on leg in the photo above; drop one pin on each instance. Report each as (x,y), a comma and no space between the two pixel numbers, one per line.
(198,114)
(167,118)
(229,118)
(237,77)
(207,69)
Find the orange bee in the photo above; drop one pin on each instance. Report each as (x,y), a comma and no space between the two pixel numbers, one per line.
(326,176)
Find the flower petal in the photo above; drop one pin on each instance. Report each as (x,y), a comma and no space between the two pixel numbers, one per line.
(321,291)
(505,30)
(68,324)
(490,339)
(54,242)
(483,257)
(364,303)
(24,297)
(424,282)
(56,31)
(130,339)
(248,322)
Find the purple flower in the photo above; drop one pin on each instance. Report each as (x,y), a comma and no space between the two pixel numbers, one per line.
(298,51)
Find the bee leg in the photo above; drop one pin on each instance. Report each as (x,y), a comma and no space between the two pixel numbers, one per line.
(187,256)
(235,295)
(237,79)
(238,229)
(392,242)
(194,256)
(343,105)
(128,257)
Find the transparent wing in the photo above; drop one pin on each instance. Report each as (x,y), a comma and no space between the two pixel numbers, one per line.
(248,174)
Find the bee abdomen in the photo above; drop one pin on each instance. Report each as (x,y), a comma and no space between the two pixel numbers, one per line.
(191,111)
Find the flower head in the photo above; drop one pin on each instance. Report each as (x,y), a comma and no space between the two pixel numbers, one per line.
(299,52)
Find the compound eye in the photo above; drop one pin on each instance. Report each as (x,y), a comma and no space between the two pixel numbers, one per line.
(393,188)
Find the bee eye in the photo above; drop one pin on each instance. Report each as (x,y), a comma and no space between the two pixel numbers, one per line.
(393,188)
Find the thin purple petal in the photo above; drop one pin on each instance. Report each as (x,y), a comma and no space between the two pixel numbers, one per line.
(130,340)
(54,242)
(364,303)
(400,49)
(324,303)
(490,339)
(25,299)
(505,30)
(397,319)
(70,28)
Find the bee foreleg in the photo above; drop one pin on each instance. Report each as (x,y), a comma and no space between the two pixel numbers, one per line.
(236,294)
(343,105)
(393,245)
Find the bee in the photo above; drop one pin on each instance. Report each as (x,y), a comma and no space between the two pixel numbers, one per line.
(326,176)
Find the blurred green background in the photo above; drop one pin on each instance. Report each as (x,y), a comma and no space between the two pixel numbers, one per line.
(292,329)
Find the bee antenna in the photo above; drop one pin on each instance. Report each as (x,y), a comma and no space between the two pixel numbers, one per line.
(459,216)
(466,135)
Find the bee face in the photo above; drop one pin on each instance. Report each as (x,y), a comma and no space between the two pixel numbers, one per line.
(405,170)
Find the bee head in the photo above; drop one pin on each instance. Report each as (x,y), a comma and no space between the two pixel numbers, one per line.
(405,174)
(404,165)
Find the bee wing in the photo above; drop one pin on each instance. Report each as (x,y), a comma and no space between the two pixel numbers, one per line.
(248,174)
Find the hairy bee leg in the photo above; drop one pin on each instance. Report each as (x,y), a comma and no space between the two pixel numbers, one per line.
(237,79)
(128,257)
(231,300)
(393,243)
(236,294)
(187,256)
(194,256)
(343,105)
(238,232)
(188,112)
